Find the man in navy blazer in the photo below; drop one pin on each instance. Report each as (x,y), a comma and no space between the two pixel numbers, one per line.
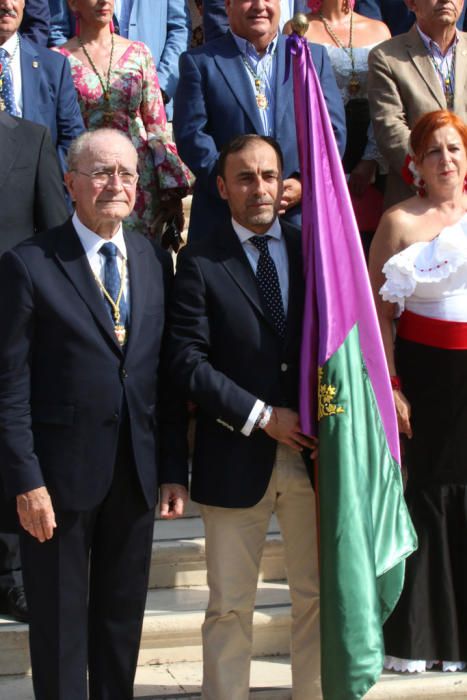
(42,85)
(219,96)
(87,434)
(235,352)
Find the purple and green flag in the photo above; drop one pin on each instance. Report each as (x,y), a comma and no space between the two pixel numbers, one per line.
(346,398)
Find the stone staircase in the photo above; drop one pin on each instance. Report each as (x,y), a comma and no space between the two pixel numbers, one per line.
(170,655)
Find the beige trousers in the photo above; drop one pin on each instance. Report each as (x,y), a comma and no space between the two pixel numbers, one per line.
(234,544)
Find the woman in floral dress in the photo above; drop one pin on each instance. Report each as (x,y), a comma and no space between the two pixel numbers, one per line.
(117,87)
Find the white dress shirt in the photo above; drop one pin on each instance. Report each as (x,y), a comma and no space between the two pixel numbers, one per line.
(278,252)
(15,69)
(92,243)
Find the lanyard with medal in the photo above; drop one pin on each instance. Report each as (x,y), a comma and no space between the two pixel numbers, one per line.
(259,80)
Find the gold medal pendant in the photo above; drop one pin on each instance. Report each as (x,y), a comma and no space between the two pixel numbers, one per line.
(120,332)
(354,85)
(261,100)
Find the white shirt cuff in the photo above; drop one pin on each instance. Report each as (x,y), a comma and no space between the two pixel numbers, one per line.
(251,420)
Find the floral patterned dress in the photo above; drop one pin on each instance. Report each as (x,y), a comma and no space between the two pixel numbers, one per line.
(137,109)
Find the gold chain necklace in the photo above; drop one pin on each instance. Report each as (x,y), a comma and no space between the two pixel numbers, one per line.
(120,330)
(259,80)
(354,83)
(105,88)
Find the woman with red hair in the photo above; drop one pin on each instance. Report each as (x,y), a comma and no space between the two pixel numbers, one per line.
(418,266)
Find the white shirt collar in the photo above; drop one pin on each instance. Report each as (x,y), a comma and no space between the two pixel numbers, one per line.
(92,242)
(10,44)
(244,234)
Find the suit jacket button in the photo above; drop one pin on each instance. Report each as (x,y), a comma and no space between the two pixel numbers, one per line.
(116,417)
(124,373)
(284,367)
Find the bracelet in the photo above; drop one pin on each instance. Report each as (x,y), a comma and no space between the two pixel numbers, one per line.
(264,417)
(396,383)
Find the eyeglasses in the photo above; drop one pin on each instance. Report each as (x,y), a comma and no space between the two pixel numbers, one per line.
(103,177)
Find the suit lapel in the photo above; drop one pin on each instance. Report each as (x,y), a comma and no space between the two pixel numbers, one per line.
(419,57)
(234,259)
(138,276)
(9,146)
(30,67)
(460,86)
(232,68)
(74,263)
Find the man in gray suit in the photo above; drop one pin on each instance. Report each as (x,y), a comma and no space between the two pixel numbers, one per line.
(414,73)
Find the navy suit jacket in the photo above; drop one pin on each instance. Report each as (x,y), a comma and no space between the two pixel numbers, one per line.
(49,96)
(36,21)
(225,354)
(214,103)
(65,380)
(395,14)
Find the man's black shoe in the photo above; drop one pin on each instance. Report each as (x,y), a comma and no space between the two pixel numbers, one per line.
(13,603)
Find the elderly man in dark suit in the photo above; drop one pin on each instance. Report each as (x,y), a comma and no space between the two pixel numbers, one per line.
(31,200)
(36,83)
(236,85)
(235,349)
(85,438)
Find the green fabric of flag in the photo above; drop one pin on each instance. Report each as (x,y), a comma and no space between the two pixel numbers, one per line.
(366,535)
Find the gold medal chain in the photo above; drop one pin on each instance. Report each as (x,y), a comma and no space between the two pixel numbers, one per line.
(114,304)
(261,99)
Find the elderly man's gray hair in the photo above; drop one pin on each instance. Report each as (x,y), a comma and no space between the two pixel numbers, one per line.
(84,142)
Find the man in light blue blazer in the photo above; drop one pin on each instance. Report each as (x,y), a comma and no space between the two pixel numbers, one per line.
(217,99)
(163,25)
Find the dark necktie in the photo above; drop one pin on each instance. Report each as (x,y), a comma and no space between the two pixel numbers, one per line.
(268,282)
(113,282)
(7,99)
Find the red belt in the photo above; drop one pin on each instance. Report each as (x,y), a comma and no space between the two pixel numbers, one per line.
(450,335)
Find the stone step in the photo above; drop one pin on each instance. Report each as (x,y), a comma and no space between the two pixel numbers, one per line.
(270,680)
(172,627)
(178,557)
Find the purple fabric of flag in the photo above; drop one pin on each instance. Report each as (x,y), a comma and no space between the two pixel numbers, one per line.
(338,292)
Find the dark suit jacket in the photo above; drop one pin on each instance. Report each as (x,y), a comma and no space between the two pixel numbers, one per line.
(31,190)
(36,21)
(65,380)
(225,354)
(49,96)
(395,14)
(215,102)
